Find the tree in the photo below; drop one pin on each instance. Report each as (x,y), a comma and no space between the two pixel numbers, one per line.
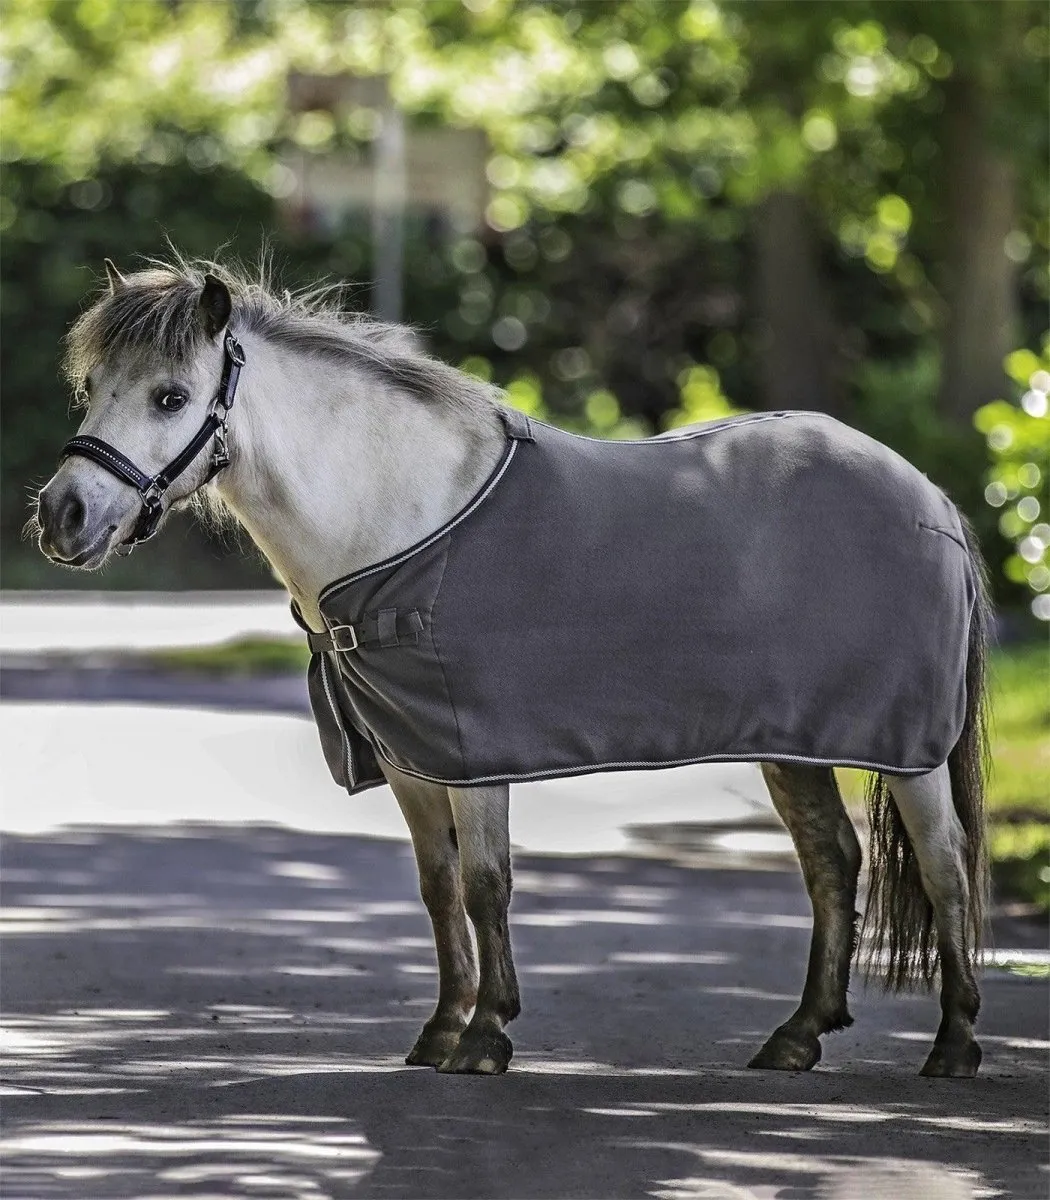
(689,198)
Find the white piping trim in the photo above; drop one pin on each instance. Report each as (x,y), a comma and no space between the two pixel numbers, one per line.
(662,439)
(348,754)
(591,769)
(387,563)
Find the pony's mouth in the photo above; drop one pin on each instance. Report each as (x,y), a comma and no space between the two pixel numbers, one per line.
(87,559)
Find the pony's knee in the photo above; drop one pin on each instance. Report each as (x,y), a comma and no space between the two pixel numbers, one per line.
(439,884)
(439,888)
(486,894)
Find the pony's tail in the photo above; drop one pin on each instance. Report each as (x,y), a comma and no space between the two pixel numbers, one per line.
(898,929)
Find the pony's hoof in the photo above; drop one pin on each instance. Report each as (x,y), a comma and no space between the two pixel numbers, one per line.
(784,1052)
(958,1061)
(480,1052)
(433,1046)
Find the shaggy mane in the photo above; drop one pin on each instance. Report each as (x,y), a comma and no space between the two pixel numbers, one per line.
(156,314)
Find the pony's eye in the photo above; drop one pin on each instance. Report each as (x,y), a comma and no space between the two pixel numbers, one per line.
(170,399)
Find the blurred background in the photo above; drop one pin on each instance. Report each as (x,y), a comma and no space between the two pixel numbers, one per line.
(630,215)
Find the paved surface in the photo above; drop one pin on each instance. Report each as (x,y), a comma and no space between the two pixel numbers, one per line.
(120,763)
(65,679)
(210,1010)
(207,1011)
(83,621)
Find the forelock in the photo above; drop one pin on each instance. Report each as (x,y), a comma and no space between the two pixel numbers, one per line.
(156,313)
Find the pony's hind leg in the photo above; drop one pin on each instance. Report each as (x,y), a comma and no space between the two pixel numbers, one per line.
(481,816)
(427,810)
(808,801)
(939,843)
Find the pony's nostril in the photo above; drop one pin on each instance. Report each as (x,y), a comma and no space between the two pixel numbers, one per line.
(71,515)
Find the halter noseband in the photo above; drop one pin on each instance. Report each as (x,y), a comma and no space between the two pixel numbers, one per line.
(151,488)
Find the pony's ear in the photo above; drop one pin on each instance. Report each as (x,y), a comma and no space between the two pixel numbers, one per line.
(215,306)
(117,282)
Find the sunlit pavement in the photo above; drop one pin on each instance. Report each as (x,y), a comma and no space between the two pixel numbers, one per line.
(38,622)
(215,962)
(125,764)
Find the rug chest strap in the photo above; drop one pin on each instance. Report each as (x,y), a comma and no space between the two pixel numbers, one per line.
(388,628)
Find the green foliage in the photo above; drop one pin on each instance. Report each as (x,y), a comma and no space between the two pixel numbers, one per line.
(895,401)
(100,81)
(1020,744)
(1018,438)
(702,398)
(629,141)
(1019,788)
(1021,862)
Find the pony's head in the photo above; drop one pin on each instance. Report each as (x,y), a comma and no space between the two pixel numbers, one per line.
(145,362)
(155,363)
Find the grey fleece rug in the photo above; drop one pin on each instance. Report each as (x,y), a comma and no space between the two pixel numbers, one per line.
(775,587)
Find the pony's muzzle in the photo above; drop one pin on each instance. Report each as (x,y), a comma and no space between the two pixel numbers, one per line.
(68,534)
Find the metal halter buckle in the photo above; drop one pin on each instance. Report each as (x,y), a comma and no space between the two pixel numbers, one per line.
(234,349)
(220,451)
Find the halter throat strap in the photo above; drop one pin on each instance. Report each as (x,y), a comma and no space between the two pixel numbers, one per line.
(151,488)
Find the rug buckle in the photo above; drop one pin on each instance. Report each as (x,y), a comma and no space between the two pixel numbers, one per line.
(336,640)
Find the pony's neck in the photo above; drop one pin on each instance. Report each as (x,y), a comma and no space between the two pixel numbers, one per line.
(332,471)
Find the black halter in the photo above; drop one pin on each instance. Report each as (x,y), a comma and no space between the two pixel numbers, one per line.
(152,487)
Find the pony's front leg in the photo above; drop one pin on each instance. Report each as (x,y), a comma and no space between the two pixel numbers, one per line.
(426,809)
(481,816)
(808,801)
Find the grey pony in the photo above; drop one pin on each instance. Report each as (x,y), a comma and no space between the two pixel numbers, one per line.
(727,592)
(491,599)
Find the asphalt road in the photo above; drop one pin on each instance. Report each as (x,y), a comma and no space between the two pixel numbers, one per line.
(216,1011)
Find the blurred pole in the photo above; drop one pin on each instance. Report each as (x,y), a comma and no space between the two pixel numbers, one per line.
(388,211)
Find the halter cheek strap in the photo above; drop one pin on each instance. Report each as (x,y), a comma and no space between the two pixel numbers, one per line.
(151,488)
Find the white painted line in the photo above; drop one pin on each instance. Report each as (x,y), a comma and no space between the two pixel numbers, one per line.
(91,621)
(124,764)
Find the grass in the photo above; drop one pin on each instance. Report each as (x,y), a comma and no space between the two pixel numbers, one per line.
(1020,733)
(1019,788)
(1018,799)
(248,656)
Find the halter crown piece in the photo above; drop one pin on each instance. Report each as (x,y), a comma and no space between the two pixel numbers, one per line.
(151,488)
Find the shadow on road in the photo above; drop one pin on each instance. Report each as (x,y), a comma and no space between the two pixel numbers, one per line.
(224,1012)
